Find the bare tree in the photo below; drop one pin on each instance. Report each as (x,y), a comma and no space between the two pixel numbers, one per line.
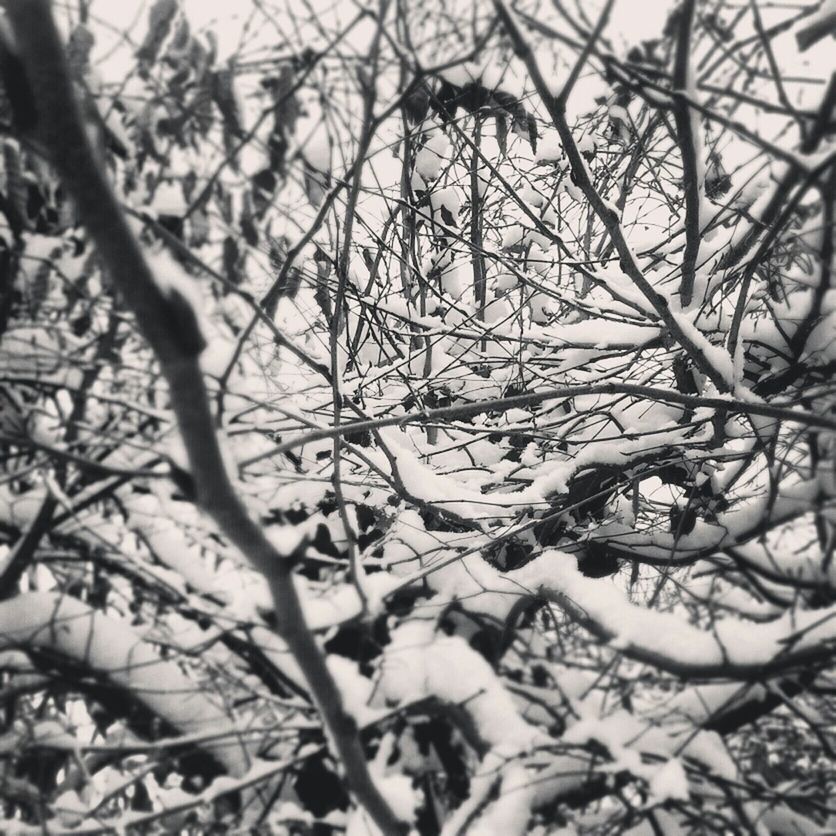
(418,417)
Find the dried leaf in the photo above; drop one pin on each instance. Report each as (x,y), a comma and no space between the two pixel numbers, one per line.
(201,105)
(224,96)
(248,227)
(502,134)
(160,18)
(416,106)
(263,183)
(78,50)
(285,113)
(179,50)
(17,192)
(232,260)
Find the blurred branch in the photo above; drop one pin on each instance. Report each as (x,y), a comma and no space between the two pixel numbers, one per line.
(170,325)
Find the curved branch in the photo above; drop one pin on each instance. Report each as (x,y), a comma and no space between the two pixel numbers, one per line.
(668,643)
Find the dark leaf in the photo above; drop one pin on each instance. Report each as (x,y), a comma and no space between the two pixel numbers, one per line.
(201,105)
(597,561)
(682,520)
(263,184)
(248,227)
(319,788)
(232,260)
(416,105)
(224,96)
(160,18)
(591,491)
(717,180)
(502,134)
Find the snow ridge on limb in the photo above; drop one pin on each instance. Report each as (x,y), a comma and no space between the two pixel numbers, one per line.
(89,637)
(730,648)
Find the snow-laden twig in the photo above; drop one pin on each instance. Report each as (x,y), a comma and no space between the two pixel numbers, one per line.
(468,410)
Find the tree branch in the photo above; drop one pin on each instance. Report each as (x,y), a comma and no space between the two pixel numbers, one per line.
(468,410)
(170,325)
(688,145)
(603,209)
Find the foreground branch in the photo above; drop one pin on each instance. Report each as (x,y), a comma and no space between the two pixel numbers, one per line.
(168,322)
(688,144)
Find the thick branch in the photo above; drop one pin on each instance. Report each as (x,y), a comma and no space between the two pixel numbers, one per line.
(668,643)
(66,626)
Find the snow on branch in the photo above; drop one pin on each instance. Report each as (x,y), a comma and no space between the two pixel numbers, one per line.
(88,637)
(728,647)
